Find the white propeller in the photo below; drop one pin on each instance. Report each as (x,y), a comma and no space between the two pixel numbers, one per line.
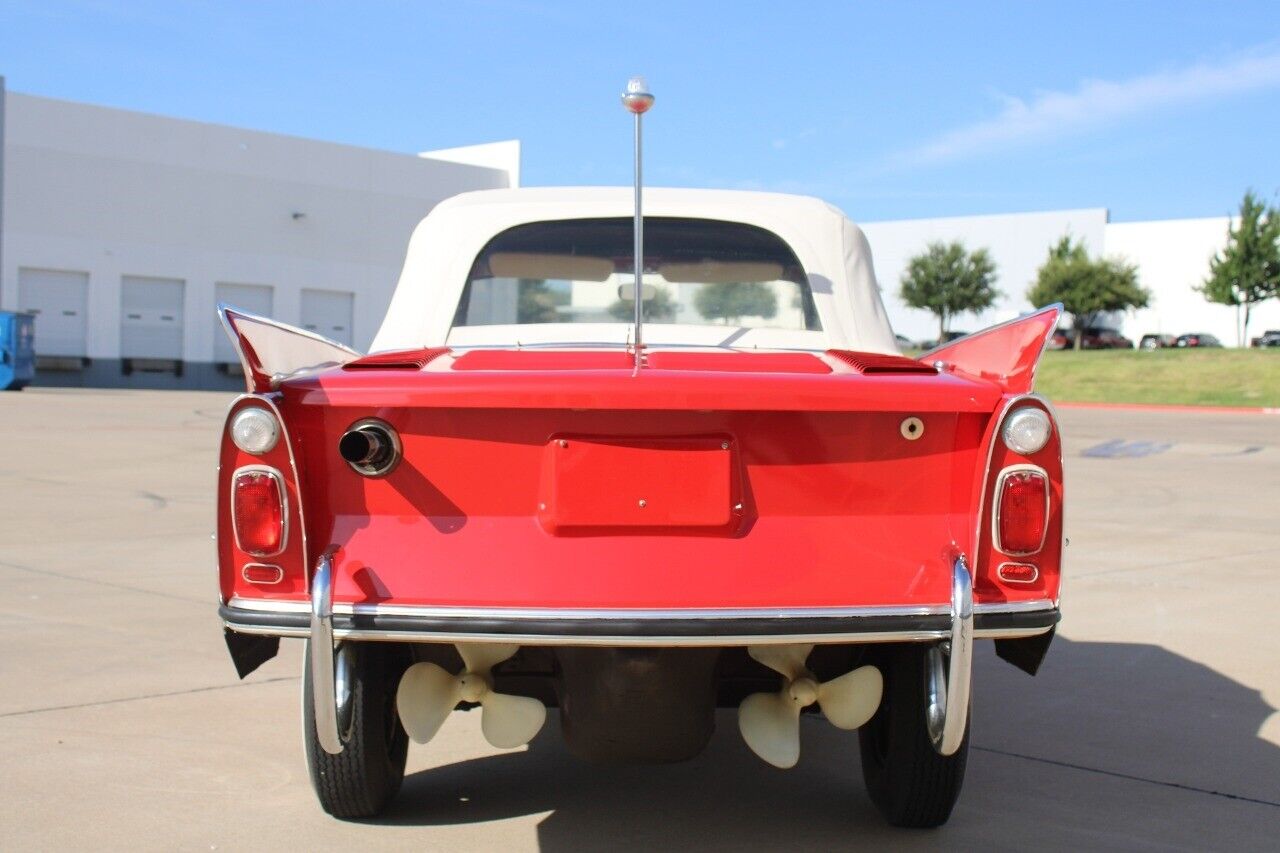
(770,722)
(428,692)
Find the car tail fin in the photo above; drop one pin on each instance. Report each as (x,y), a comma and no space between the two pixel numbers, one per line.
(1006,354)
(271,351)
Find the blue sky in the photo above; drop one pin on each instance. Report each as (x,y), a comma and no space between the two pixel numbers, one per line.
(889,110)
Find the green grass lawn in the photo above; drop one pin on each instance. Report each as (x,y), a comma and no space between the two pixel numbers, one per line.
(1206,377)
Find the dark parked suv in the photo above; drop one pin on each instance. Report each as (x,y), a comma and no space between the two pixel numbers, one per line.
(1269,338)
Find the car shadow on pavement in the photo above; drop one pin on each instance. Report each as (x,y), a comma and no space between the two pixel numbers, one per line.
(1112,745)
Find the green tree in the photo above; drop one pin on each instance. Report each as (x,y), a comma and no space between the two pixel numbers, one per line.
(948,280)
(731,301)
(1085,286)
(657,308)
(1247,270)
(536,301)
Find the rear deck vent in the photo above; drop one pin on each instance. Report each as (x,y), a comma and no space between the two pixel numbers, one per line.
(414,359)
(874,362)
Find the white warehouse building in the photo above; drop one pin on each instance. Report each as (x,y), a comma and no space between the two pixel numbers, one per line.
(121,231)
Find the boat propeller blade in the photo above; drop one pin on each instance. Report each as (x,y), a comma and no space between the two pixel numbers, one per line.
(428,692)
(426,695)
(770,722)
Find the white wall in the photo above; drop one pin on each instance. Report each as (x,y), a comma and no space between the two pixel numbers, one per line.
(1018,243)
(116,193)
(1173,257)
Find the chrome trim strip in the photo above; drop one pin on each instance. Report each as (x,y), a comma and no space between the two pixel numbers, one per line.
(274,474)
(598,613)
(324,694)
(1014,606)
(998,503)
(370,635)
(613,641)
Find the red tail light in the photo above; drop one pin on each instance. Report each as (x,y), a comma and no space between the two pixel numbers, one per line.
(1022,512)
(257,512)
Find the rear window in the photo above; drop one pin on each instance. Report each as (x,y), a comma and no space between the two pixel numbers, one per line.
(697,272)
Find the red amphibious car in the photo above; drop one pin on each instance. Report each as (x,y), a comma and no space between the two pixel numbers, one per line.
(523,499)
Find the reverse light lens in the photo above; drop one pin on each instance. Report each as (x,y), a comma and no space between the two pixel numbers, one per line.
(1022,512)
(1026,430)
(257,505)
(255,431)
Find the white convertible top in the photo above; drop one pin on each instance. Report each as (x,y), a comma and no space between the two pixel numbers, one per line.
(831,249)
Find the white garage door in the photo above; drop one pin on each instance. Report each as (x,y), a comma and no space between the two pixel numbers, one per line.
(151,318)
(60,301)
(254,298)
(329,313)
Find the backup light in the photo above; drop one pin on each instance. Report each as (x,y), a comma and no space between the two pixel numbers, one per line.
(1026,430)
(1022,512)
(254,430)
(257,511)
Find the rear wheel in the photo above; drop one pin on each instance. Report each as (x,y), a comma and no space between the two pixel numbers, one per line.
(909,782)
(362,779)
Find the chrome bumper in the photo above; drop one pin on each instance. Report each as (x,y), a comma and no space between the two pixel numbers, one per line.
(953,629)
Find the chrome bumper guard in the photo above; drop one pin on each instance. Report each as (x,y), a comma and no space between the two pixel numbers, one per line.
(324,694)
(947,695)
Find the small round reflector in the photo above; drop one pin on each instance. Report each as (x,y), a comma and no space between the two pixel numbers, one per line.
(255,430)
(1026,430)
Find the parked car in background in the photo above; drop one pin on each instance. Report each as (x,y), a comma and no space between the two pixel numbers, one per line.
(1197,339)
(906,343)
(1269,338)
(1096,338)
(1154,341)
(947,337)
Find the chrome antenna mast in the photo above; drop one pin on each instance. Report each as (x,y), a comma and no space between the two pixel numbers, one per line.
(638,100)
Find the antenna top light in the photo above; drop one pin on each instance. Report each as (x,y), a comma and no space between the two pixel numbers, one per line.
(637,98)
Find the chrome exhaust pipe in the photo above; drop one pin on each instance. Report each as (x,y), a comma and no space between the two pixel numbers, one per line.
(371,447)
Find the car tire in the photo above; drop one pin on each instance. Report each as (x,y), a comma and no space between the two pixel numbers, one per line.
(908,781)
(360,781)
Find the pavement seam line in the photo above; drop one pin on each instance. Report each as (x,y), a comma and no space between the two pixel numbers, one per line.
(1118,775)
(95,581)
(148,696)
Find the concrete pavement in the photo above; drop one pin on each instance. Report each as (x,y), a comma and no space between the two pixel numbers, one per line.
(1151,726)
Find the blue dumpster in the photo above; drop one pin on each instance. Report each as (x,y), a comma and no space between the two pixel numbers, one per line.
(17,350)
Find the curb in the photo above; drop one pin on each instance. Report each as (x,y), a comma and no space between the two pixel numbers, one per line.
(1170,407)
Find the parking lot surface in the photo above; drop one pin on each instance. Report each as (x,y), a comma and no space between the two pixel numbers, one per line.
(1152,724)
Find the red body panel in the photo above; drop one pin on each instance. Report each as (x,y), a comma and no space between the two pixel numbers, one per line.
(1006,354)
(819,500)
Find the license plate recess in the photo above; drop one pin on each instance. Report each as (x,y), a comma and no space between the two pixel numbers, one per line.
(593,484)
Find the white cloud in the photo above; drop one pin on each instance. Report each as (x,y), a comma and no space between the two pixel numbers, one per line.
(1094,103)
